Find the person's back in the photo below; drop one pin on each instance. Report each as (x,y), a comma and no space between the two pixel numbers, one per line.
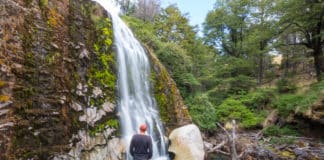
(141,145)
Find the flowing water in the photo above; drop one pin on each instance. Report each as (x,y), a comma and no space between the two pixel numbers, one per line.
(136,104)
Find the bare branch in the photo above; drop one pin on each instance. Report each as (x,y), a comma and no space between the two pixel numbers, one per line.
(217,147)
(222,152)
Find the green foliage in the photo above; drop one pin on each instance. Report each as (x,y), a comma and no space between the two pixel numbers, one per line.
(178,63)
(314,94)
(228,67)
(286,103)
(286,86)
(172,26)
(160,96)
(257,99)
(112,123)
(233,109)
(52,57)
(274,130)
(143,31)
(282,140)
(202,111)
(43,3)
(239,84)
(102,72)
(294,103)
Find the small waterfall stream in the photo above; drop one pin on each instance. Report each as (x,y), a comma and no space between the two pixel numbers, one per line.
(136,104)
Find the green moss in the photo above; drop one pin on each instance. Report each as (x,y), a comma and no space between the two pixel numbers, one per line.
(30,59)
(160,97)
(52,57)
(102,70)
(43,3)
(24,93)
(112,123)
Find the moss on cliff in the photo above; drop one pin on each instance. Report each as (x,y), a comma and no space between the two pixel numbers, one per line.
(173,112)
(48,69)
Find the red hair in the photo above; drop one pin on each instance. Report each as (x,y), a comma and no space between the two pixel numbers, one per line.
(143,127)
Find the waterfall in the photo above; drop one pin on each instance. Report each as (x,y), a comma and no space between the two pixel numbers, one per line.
(136,105)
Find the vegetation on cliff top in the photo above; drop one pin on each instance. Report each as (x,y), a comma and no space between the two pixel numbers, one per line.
(231,72)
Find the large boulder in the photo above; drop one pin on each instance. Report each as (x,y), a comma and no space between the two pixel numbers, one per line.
(186,143)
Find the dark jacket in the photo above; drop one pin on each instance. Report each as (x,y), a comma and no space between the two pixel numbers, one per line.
(141,147)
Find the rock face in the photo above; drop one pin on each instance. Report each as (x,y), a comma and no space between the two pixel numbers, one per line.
(51,75)
(58,82)
(173,111)
(186,143)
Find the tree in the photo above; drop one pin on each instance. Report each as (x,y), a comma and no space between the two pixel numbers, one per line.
(172,26)
(147,9)
(261,32)
(126,6)
(225,26)
(306,18)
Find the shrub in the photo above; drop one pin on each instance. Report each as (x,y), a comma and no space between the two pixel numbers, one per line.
(234,109)
(241,83)
(202,111)
(286,103)
(258,98)
(274,130)
(286,86)
(282,140)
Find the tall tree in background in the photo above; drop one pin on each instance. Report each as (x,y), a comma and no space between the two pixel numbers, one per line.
(262,30)
(305,18)
(172,26)
(147,9)
(225,26)
(126,6)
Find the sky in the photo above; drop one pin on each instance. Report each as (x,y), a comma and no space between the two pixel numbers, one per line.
(197,9)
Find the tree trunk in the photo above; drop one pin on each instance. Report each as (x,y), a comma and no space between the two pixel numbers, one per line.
(318,52)
(319,64)
(233,147)
(261,70)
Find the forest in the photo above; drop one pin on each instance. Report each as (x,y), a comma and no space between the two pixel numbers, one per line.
(258,62)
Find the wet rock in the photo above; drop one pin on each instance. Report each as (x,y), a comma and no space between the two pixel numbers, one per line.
(54,45)
(108,107)
(76,106)
(254,152)
(84,54)
(301,154)
(116,149)
(81,89)
(92,115)
(88,147)
(96,92)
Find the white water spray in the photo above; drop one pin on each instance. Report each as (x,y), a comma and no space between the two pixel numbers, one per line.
(136,104)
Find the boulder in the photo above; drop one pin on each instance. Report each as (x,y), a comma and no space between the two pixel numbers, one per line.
(186,143)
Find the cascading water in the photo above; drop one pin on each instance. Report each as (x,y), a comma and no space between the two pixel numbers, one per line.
(136,104)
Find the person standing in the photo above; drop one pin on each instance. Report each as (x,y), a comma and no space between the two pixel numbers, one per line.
(141,145)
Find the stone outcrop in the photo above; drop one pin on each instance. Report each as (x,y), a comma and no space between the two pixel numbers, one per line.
(186,143)
(46,51)
(174,113)
(58,82)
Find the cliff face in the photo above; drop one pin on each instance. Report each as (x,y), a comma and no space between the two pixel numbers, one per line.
(57,82)
(173,111)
